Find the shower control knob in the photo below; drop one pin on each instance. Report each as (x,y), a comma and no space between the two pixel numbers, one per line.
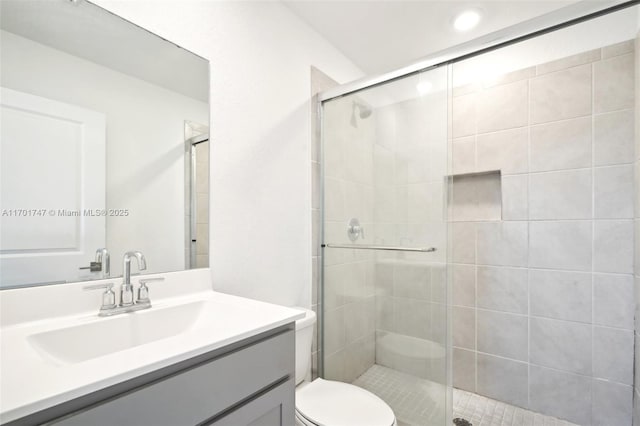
(355,230)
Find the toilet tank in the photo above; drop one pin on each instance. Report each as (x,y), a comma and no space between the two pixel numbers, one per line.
(304,335)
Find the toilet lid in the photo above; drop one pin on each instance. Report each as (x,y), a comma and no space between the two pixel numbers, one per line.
(330,403)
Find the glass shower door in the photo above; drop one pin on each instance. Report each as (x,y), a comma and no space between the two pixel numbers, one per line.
(384,288)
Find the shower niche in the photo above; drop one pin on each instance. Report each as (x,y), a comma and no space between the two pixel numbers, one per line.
(475,196)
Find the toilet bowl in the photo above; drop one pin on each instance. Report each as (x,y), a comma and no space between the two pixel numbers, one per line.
(331,403)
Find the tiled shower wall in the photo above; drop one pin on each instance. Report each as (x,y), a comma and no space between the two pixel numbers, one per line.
(387,170)
(410,162)
(349,295)
(543,293)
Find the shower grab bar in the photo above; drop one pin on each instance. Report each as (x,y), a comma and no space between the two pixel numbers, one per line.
(388,248)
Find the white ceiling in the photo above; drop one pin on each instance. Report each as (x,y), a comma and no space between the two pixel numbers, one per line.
(380,36)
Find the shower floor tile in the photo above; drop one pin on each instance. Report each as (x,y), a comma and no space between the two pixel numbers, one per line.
(483,411)
(414,401)
(420,402)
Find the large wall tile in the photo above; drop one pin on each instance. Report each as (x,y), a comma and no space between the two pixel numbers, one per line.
(438,283)
(613,303)
(412,281)
(614,83)
(569,62)
(506,151)
(463,241)
(512,385)
(502,334)
(562,345)
(334,277)
(561,95)
(502,289)
(510,77)
(566,174)
(464,115)
(613,187)
(560,294)
(560,245)
(355,321)
(489,196)
(334,200)
(503,107)
(464,327)
(464,285)
(613,246)
(438,321)
(515,197)
(502,243)
(560,195)
(561,145)
(612,404)
(464,369)
(560,394)
(463,152)
(334,366)
(412,317)
(613,138)
(334,332)
(385,317)
(618,49)
(613,354)
(383,278)
(354,281)
(359,357)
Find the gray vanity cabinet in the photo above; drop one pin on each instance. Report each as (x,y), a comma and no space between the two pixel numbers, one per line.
(248,383)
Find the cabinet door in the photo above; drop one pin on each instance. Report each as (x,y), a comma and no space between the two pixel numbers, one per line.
(199,394)
(273,408)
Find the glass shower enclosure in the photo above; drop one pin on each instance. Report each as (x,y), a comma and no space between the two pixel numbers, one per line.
(478,225)
(385,243)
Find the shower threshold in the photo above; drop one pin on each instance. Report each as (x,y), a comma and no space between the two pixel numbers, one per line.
(420,402)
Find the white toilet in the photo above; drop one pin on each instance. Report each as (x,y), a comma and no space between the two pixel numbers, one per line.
(327,402)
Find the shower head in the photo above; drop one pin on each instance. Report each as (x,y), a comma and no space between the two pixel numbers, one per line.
(364,111)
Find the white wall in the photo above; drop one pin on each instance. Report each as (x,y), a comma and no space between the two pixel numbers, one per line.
(260,57)
(145,154)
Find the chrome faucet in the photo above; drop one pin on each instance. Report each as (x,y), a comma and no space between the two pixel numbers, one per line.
(126,289)
(127,298)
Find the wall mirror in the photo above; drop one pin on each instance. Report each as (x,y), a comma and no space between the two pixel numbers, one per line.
(104,145)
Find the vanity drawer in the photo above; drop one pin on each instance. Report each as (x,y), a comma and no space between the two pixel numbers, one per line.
(200,393)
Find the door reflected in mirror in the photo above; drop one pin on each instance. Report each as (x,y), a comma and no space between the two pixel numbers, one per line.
(94,161)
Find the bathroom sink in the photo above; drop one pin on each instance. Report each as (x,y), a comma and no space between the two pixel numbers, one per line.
(106,336)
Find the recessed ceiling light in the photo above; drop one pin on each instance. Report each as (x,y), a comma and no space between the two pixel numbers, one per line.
(466,20)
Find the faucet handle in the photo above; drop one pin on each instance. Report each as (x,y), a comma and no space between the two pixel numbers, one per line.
(143,290)
(108,297)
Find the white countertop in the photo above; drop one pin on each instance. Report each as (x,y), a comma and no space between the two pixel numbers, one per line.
(32,380)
